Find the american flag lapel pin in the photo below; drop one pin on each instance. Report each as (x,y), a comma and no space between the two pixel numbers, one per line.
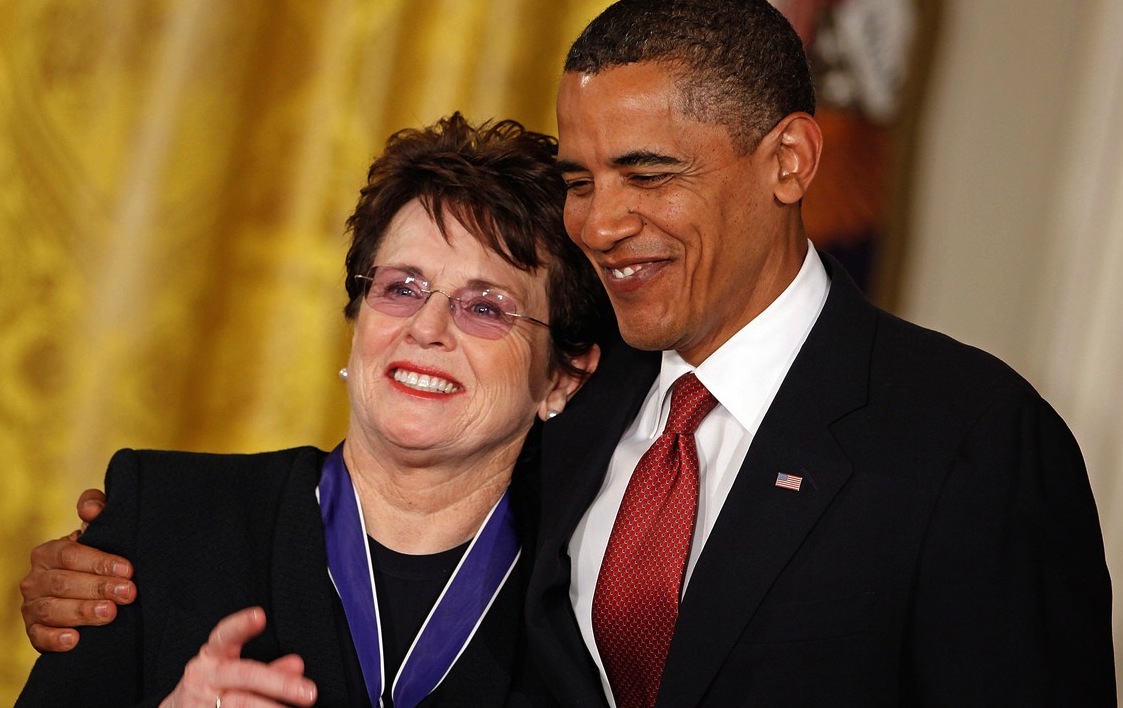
(788,481)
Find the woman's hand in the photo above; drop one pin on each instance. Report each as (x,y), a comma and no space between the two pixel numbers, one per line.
(218,676)
(71,585)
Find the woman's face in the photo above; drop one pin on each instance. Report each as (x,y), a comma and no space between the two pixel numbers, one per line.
(481,395)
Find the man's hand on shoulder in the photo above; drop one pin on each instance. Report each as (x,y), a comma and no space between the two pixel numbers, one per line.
(71,585)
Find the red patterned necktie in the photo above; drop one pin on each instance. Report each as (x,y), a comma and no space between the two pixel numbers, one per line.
(635,604)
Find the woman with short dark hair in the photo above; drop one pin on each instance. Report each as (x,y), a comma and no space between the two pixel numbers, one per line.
(392,569)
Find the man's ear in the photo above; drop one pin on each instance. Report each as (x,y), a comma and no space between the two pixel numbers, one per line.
(567,384)
(796,143)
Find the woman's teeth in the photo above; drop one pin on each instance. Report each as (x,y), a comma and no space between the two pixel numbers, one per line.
(625,272)
(424,382)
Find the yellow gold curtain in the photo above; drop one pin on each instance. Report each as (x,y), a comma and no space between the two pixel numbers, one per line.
(174,177)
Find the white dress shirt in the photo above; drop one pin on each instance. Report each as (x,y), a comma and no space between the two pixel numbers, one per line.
(743,375)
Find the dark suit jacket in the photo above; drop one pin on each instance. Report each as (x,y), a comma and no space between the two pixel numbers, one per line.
(944,548)
(212,534)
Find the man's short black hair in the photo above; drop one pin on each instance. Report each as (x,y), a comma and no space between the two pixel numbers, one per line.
(739,63)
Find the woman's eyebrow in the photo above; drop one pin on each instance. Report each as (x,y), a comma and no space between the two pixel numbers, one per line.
(477,283)
(413,270)
(481,284)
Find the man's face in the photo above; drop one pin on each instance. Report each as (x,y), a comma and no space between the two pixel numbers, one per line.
(682,227)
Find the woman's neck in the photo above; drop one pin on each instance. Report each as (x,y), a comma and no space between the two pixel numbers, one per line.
(426,509)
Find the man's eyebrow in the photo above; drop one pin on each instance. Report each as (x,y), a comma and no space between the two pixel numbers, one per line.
(644,158)
(569,166)
(636,158)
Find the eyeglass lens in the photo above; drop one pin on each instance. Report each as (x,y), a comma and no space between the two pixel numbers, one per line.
(486,313)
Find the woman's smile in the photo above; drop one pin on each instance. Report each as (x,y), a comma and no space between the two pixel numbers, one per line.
(418,379)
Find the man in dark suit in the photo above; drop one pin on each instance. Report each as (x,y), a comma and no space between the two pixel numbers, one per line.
(880,515)
(884,516)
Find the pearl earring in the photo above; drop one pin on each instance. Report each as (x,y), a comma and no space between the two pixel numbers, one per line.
(550,415)
(343,374)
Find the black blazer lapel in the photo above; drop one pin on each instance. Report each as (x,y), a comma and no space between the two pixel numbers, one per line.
(303,596)
(761,526)
(576,449)
(577,446)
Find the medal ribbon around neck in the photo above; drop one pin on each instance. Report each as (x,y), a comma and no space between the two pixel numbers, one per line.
(459,610)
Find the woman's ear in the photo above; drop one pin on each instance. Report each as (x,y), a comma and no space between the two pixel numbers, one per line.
(567,384)
(797,143)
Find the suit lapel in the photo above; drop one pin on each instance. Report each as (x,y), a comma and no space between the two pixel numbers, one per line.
(303,596)
(576,449)
(578,445)
(761,526)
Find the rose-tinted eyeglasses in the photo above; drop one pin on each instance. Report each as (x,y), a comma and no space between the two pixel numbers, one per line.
(481,312)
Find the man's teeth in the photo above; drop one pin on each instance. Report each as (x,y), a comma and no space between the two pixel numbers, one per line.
(626,272)
(424,382)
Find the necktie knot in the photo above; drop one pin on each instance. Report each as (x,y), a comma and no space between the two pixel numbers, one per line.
(690,403)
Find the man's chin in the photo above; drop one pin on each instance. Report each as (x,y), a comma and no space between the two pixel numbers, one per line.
(648,336)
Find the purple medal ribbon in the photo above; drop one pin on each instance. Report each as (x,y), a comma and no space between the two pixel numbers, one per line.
(453,620)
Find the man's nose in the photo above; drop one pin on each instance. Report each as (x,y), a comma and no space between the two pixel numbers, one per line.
(610,218)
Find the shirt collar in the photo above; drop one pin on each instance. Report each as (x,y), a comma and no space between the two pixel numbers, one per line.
(745,372)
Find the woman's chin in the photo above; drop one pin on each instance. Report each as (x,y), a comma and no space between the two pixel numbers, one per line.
(425,437)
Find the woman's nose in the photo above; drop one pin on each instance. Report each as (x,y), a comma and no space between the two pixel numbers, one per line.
(431,325)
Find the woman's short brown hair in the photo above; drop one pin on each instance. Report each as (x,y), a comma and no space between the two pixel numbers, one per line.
(500,182)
